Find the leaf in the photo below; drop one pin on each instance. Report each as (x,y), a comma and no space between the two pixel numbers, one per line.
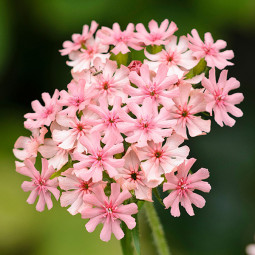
(69,164)
(157,195)
(126,241)
(135,234)
(198,69)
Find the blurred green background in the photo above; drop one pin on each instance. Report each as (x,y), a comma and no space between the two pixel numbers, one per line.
(32,32)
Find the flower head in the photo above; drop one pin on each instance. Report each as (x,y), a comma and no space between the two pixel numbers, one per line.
(218,99)
(182,186)
(109,211)
(210,50)
(40,184)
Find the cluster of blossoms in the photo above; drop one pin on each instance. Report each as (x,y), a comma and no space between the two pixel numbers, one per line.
(116,134)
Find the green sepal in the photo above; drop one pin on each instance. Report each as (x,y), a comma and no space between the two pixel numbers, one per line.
(157,195)
(68,165)
(198,69)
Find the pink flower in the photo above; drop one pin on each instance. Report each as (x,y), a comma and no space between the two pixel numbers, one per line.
(98,158)
(79,40)
(109,119)
(75,188)
(189,103)
(182,186)
(210,50)
(152,87)
(43,115)
(109,211)
(131,177)
(40,184)
(176,56)
(157,159)
(148,125)
(111,82)
(83,59)
(120,39)
(158,35)
(76,98)
(57,157)
(70,138)
(27,147)
(218,99)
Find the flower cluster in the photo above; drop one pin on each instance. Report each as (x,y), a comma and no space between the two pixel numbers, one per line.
(116,134)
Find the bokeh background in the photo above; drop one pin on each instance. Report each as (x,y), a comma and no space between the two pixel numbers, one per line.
(32,32)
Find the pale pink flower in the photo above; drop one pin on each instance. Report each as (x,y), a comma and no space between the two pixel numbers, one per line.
(120,39)
(148,125)
(218,99)
(158,34)
(132,177)
(135,66)
(98,158)
(57,157)
(111,82)
(78,40)
(155,88)
(176,56)
(27,147)
(157,159)
(77,97)
(70,138)
(40,184)
(210,50)
(83,59)
(43,115)
(75,188)
(189,103)
(250,249)
(109,211)
(107,124)
(182,186)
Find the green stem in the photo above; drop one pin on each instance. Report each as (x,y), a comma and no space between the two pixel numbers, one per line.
(126,242)
(157,229)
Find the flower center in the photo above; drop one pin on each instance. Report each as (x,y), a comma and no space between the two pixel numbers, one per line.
(134,175)
(185,113)
(158,154)
(105,85)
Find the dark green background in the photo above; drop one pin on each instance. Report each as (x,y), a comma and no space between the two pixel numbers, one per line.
(32,32)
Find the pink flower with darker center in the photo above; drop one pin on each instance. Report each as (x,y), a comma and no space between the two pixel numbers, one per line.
(156,88)
(43,115)
(218,99)
(158,159)
(78,40)
(132,176)
(111,82)
(83,59)
(77,97)
(40,184)
(182,186)
(176,56)
(209,50)
(98,158)
(149,125)
(27,147)
(158,34)
(189,103)
(120,39)
(109,211)
(75,188)
(108,120)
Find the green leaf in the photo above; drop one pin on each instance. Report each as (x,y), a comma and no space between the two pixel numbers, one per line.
(68,165)
(126,241)
(122,59)
(135,234)
(157,195)
(198,69)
